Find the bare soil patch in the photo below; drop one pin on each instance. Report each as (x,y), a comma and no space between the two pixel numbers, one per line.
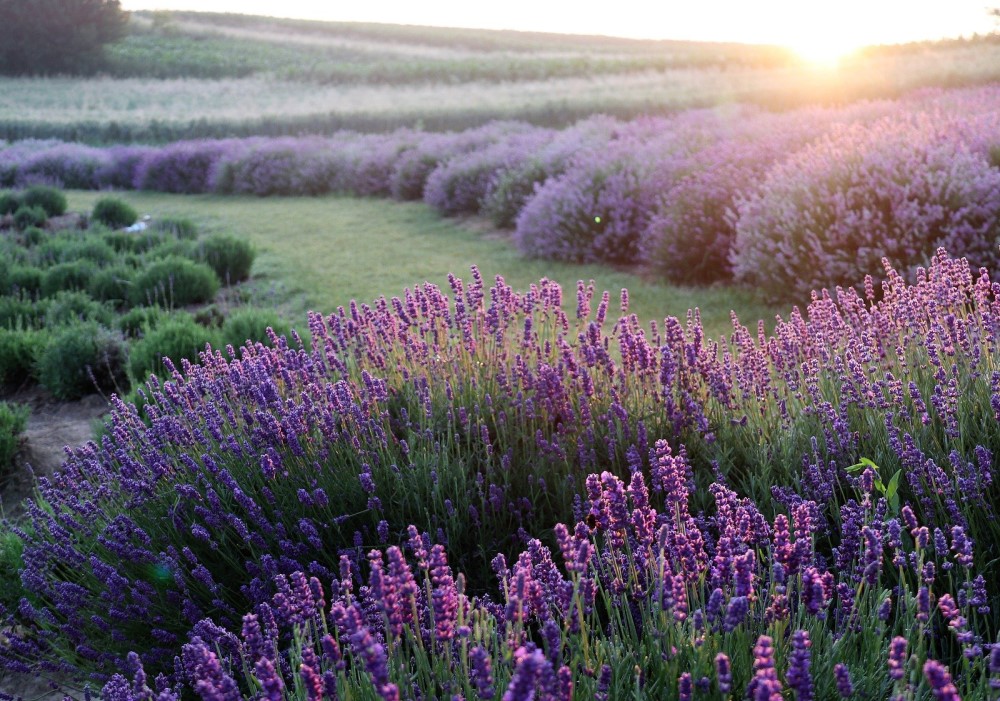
(52,427)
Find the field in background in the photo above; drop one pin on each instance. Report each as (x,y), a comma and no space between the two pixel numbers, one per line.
(187,75)
(322,252)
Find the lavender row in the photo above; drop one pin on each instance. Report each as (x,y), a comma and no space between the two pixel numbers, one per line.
(486,416)
(772,200)
(637,600)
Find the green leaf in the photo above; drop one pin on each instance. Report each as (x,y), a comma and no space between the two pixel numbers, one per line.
(890,492)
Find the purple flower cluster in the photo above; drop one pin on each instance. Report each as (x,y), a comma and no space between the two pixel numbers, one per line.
(487,417)
(700,196)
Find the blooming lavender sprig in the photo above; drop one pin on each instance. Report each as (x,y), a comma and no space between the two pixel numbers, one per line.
(799,677)
(842,676)
(940,682)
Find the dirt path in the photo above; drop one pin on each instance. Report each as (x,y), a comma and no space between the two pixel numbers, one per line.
(52,426)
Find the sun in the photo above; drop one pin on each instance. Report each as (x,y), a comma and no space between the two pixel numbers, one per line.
(825,51)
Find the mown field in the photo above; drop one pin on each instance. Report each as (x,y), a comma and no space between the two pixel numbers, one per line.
(195,75)
(511,488)
(321,253)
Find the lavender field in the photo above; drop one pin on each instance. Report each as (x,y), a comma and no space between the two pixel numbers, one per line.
(475,491)
(472,493)
(785,202)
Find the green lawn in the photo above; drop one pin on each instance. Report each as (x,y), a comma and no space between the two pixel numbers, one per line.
(318,253)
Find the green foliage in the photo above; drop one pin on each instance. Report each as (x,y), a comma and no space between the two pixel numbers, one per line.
(25,279)
(114,213)
(177,227)
(21,311)
(19,353)
(27,216)
(13,420)
(57,36)
(155,245)
(120,241)
(11,549)
(83,358)
(50,199)
(9,203)
(176,337)
(231,258)
(112,284)
(137,321)
(174,282)
(71,248)
(68,276)
(67,307)
(32,236)
(252,324)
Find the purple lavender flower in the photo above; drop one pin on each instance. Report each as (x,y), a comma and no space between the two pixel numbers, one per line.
(482,673)
(799,677)
(723,673)
(684,687)
(527,673)
(940,681)
(270,680)
(897,658)
(764,686)
(842,675)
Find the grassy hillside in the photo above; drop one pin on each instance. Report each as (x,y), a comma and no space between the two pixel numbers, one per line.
(186,75)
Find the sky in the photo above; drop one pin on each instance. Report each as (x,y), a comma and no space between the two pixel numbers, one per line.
(796,23)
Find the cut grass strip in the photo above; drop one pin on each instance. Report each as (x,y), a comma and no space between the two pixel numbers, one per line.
(319,253)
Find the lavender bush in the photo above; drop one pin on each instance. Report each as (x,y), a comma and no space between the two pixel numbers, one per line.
(484,419)
(897,189)
(461,184)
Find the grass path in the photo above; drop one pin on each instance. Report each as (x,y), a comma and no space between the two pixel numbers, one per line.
(318,253)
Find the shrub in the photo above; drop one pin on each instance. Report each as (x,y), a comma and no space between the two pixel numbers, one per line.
(139,320)
(67,165)
(112,284)
(177,227)
(591,214)
(25,279)
(21,311)
(119,172)
(32,236)
(27,216)
(515,186)
(177,337)
(157,245)
(50,199)
(184,167)
(9,203)
(67,307)
(11,590)
(461,184)
(73,248)
(114,213)
(231,258)
(68,276)
(13,420)
(120,241)
(174,282)
(82,358)
(20,349)
(250,324)
(896,190)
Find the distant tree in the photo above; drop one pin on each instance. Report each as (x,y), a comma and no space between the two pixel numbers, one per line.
(57,36)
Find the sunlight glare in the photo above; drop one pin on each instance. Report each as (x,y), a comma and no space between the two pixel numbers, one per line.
(825,53)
